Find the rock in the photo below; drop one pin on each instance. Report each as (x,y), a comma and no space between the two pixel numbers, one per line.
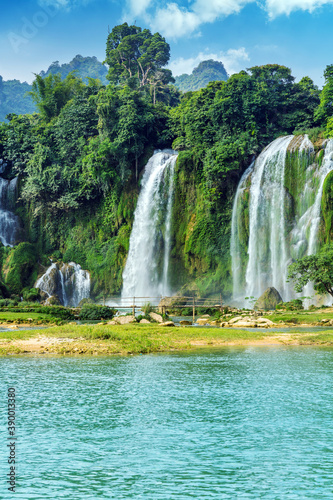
(184,322)
(43,295)
(125,320)
(170,302)
(213,323)
(145,322)
(167,323)
(269,299)
(265,321)
(53,301)
(202,321)
(113,322)
(245,324)
(325,321)
(156,317)
(234,320)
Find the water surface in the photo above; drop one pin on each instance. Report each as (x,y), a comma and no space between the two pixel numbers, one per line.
(245,423)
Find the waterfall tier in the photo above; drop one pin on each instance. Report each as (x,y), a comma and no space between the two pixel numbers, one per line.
(69,282)
(276,215)
(9,222)
(147,265)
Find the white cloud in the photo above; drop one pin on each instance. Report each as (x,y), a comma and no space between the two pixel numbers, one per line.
(175,21)
(62,4)
(232,60)
(278,7)
(137,7)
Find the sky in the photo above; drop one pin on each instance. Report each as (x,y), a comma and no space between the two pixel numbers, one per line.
(240,33)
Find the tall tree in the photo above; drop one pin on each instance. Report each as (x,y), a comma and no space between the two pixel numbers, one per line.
(133,53)
(52,93)
(325,108)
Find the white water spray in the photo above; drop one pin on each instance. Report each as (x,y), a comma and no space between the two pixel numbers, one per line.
(147,265)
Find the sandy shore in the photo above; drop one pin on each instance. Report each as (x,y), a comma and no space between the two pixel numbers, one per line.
(43,344)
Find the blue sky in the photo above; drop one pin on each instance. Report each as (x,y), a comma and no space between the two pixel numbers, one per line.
(240,33)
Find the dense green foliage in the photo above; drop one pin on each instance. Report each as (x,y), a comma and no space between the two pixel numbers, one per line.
(314,268)
(95,312)
(14,98)
(80,160)
(206,72)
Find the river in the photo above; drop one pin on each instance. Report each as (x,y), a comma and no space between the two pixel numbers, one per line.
(226,423)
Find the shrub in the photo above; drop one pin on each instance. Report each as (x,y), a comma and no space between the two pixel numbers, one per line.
(31,295)
(96,312)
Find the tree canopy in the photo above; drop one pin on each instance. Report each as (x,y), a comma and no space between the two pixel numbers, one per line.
(133,53)
(316,268)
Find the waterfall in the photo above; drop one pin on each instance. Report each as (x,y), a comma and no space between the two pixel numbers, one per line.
(147,265)
(276,215)
(9,222)
(68,282)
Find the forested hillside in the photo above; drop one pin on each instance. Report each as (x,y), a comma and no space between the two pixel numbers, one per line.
(14,95)
(207,71)
(80,159)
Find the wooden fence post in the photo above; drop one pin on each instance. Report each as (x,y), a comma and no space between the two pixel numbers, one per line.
(193,309)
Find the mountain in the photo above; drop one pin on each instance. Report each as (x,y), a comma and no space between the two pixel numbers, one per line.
(207,71)
(85,66)
(13,98)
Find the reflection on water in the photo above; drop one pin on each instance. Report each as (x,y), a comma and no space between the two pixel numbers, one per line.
(225,424)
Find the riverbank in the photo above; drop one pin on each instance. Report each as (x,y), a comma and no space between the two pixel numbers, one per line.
(135,339)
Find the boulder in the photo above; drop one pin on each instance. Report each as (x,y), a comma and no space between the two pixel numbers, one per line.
(202,321)
(184,322)
(125,320)
(234,320)
(53,301)
(171,302)
(268,300)
(245,324)
(144,321)
(167,323)
(264,322)
(156,317)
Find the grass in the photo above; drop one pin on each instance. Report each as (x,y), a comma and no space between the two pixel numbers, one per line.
(136,338)
(298,317)
(26,317)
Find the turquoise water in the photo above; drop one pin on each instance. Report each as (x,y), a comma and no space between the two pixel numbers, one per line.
(246,423)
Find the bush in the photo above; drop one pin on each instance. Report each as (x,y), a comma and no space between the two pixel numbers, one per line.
(293,305)
(32,295)
(187,311)
(96,312)
(147,308)
(20,268)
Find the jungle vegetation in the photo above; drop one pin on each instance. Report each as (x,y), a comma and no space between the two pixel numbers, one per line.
(79,159)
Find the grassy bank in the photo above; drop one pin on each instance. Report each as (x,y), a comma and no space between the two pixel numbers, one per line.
(134,339)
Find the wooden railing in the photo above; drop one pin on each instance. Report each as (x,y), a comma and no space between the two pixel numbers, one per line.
(176,302)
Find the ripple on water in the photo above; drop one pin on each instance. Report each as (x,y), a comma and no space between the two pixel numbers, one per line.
(231,423)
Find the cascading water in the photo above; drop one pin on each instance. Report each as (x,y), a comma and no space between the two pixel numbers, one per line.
(68,282)
(276,215)
(147,265)
(9,222)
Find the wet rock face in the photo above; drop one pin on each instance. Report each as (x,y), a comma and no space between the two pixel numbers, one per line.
(68,282)
(268,300)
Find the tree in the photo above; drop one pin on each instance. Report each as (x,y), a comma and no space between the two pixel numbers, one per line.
(314,268)
(52,93)
(132,53)
(325,108)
